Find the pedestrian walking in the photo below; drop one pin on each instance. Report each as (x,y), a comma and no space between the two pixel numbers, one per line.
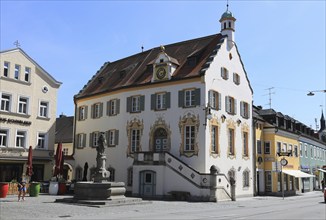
(21,189)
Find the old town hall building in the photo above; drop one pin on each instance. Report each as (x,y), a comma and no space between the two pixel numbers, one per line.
(177,120)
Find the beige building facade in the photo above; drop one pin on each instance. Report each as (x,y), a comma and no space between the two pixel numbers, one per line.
(28,102)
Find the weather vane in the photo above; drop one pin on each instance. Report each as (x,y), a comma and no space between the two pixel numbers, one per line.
(17,44)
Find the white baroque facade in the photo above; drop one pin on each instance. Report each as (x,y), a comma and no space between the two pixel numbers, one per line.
(28,105)
(177,120)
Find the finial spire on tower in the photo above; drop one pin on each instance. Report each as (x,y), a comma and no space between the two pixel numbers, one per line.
(227,5)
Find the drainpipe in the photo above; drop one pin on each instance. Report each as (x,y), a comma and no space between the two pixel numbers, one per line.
(254,163)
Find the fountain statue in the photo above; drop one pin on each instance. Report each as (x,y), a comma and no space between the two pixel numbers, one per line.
(101,188)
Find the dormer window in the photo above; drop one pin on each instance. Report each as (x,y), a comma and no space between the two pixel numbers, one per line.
(161,60)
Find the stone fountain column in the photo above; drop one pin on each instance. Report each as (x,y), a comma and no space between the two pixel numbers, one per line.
(101,188)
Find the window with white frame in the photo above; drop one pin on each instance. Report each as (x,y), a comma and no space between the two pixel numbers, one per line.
(94,139)
(81,140)
(214,99)
(5,102)
(215,142)
(65,151)
(27,74)
(279,146)
(231,141)
(290,149)
(295,150)
(230,105)
(44,108)
(97,110)
(21,139)
(135,140)
(135,104)
(113,137)
(189,138)
(82,113)
(41,138)
(305,150)
(189,98)
(284,148)
(6,69)
(113,107)
(244,109)
(245,178)
(17,71)
(23,105)
(160,101)
(245,144)
(224,73)
(3,138)
(267,147)
(300,146)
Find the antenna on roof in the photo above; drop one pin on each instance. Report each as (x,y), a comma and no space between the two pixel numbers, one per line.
(17,44)
(270,96)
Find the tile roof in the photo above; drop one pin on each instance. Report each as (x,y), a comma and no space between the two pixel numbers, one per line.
(64,129)
(137,69)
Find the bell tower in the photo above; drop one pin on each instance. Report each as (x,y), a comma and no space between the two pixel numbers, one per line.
(227,25)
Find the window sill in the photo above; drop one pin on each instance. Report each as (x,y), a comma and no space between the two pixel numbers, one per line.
(43,118)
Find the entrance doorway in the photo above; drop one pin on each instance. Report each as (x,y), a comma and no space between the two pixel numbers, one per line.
(147,183)
(160,140)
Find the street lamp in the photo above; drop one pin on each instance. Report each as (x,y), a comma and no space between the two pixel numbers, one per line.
(312,93)
(208,114)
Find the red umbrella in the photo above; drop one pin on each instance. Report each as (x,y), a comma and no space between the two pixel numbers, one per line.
(58,158)
(62,163)
(29,170)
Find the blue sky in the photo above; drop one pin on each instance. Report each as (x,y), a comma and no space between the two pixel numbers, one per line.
(282,43)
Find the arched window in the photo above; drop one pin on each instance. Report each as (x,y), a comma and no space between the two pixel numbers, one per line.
(245,178)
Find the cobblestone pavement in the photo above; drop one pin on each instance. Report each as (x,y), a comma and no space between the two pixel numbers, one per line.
(45,207)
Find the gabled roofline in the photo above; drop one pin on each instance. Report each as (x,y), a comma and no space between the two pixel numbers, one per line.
(48,75)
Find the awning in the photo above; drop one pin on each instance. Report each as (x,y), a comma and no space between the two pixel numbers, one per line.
(322,170)
(297,173)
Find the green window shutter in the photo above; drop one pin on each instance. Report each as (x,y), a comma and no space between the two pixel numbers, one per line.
(84,140)
(118,106)
(197,96)
(116,138)
(77,113)
(153,101)
(181,98)
(86,111)
(101,109)
(91,139)
(108,107)
(107,137)
(219,98)
(128,104)
(142,103)
(227,107)
(168,100)
(92,111)
(235,106)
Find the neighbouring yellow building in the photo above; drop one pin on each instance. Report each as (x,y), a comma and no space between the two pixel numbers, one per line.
(277,154)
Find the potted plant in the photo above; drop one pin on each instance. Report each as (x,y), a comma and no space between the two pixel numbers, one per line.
(62,186)
(4,187)
(54,186)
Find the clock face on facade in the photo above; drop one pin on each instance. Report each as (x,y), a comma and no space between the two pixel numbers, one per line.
(161,73)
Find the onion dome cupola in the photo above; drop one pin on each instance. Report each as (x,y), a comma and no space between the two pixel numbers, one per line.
(227,24)
(164,66)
